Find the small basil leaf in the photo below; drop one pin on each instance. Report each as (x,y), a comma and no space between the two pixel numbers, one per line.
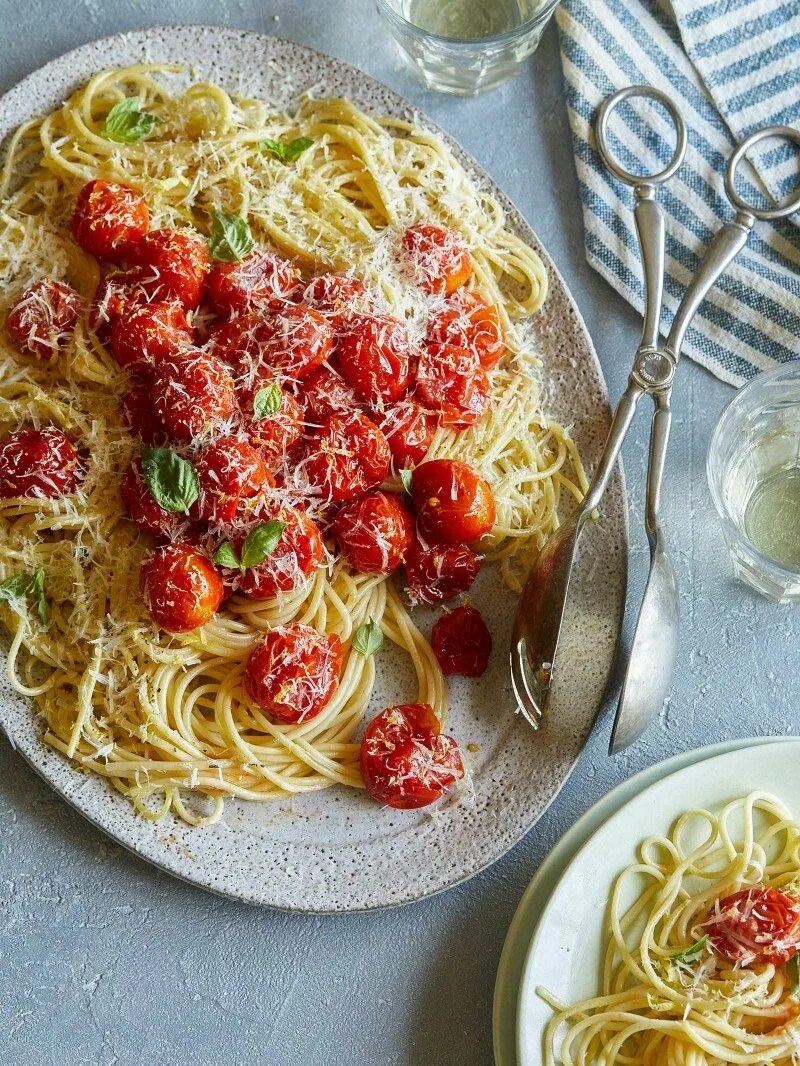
(226,556)
(173,481)
(126,123)
(37,590)
(267,402)
(692,953)
(231,239)
(17,588)
(274,148)
(295,148)
(793,975)
(368,638)
(405,477)
(261,542)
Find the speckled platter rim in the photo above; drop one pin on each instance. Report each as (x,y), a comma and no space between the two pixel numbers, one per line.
(406,860)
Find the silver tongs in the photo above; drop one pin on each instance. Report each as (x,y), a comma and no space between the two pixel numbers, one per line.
(534,646)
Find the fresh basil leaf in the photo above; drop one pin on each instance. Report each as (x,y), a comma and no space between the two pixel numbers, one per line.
(405,477)
(127,123)
(226,556)
(274,148)
(793,975)
(267,402)
(173,481)
(17,588)
(37,590)
(231,239)
(261,542)
(287,152)
(692,953)
(368,638)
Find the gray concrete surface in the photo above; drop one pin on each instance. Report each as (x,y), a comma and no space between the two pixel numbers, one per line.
(104,960)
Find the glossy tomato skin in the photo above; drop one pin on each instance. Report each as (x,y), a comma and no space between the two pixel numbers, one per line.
(117,293)
(174,266)
(262,281)
(231,471)
(147,333)
(374,358)
(406,762)
(453,504)
(438,572)
(347,456)
(293,673)
(438,259)
(278,434)
(192,394)
(452,382)
(43,319)
(181,587)
(136,407)
(335,295)
(468,321)
(38,462)
(374,532)
(300,340)
(409,429)
(327,393)
(461,642)
(298,554)
(755,925)
(109,219)
(142,508)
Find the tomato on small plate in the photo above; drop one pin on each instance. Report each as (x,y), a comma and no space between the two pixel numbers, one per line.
(755,925)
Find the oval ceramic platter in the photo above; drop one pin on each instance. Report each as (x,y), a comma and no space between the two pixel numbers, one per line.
(337,850)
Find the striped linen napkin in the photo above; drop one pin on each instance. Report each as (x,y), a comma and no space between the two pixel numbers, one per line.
(732,66)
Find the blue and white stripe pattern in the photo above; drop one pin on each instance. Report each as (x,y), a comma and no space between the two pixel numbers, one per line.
(731,66)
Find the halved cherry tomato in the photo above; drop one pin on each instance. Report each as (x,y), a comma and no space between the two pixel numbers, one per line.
(409,429)
(453,504)
(334,294)
(293,672)
(43,319)
(261,281)
(436,573)
(109,219)
(138,414)
(755,925)
(181,587)
(231,471)
(374,532)
(148,333)
(38,462)
(468,321)
(142,507)
(347,456)
(327,393)
(406,761)
(438,259)
(297,555)
(374,357)
(192,393)
(118,292)
(174,266)
(461,642)
(277,433)
(453,382)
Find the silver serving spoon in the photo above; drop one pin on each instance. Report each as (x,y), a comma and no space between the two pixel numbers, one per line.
(537,626)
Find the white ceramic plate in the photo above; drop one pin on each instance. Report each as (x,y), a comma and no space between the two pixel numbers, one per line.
(336,850)
(567,947)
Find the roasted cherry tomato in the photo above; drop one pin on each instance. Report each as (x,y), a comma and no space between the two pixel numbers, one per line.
(406,761)
(117,293)
(181,587)
(374,532)
(453,382)
(374,357)
(336,295)
(438,259)
(293,672)
(262,281)
(409,429)
(436,573)
(327,393)
(43,319)
(38,462)
(273,420)
(347,456)
(231,471)
(300,340)
(461,642)
(138,414)
(755,925)
(109,219)
(142,507)
(148,333)
(174,266)
(453,504)
(297,555)
(192,393)
(468,321)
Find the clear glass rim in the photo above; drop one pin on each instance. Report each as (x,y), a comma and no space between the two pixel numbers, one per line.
(739,400)
(386,8)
